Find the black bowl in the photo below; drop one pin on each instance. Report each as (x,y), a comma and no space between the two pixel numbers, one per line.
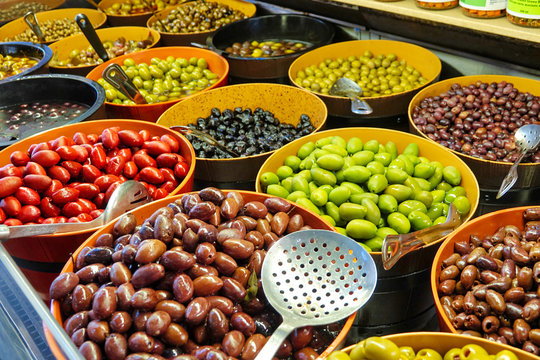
(28,49)
(279,27)
(46,89)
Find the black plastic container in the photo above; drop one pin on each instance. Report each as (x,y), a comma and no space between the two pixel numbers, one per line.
(279,27)
(53,88)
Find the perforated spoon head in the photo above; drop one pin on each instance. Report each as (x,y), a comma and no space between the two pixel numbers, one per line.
(346,87)
(527,137)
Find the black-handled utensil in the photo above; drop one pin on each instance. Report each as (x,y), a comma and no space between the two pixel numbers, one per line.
(90,33)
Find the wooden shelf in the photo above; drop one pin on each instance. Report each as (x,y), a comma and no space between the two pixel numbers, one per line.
(455,17)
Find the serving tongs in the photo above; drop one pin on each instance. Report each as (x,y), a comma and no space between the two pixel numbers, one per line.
(116,76)
(395,246)
(186,130)
(32,22)
(126,196)
(90,33)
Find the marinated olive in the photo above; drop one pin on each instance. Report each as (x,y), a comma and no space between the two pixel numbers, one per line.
(377,75)
(266,48)
(13,64)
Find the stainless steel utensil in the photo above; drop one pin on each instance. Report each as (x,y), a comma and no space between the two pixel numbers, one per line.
(186,130)
(90,33)
(349,88)
(314,277)
(527,138)
(32,22)
(62,339)
(127,196)
(115,75)
(395,246)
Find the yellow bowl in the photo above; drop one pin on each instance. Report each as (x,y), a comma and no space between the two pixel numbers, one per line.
(490,173)
(18,26)
(287,103)
(128,20)
(146,211)
(185,39)
(429,149)
(443,342)
(51,4)
(62,48)
(423,60)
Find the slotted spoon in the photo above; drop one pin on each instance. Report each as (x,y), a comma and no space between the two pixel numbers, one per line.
(126,196)
(314,277)
(527,138)
(347,87)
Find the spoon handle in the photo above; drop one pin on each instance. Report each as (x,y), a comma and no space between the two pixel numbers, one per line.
(274,342)
(31,20)
(88,30)
(360,107)
(510,178)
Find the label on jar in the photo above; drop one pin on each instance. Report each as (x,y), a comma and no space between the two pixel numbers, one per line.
(529,9)
(486,5)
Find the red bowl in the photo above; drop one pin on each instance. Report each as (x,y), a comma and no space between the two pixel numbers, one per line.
(42,257)
(151,112)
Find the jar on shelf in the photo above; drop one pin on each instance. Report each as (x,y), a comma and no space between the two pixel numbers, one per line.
(485,9)
(437,4)
(523,12)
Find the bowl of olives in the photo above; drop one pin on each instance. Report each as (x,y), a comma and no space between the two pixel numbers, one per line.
(18,59)
(163,76)
(55,25)
(253,120)
(429,345)
(264,47)
(194,21)
(132,12)
(389,72)
(75,55)
(476,117)
(13,9)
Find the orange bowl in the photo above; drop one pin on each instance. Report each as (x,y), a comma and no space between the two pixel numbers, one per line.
(287,103)
(127,20)
(42,257)
(443,342)
(423,60)
(146,211)
(490,173)
(150,112)
(185,39)
(51,5)
(18,26)
(62,48)
(481,226)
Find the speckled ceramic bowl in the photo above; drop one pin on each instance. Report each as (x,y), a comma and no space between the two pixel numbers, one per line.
(287,103)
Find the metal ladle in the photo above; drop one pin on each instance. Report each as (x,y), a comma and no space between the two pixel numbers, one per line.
(186,130)
(527,138)
(314,277)
(395,246)
(116,76)
(32,22)
(126,196)
(349,88)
